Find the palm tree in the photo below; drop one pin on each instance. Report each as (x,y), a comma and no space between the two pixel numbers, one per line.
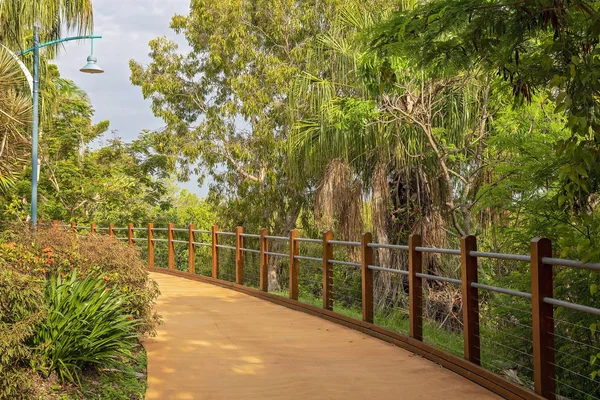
(389,121)
(15,115)
(16,22)
(17,18)
(372,128)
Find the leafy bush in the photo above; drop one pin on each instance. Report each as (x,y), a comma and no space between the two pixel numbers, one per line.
(21,309)
(52,251)
(86,324)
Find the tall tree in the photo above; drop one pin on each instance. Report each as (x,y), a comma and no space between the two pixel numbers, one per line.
(224,103)
(535,45)
(18,16)
(15,108)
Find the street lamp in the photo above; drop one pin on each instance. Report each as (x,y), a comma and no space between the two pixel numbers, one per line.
(91,67)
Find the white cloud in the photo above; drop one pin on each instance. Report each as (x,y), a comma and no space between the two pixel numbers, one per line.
(126,27)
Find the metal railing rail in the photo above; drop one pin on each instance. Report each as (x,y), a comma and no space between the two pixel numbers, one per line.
(387,246)
(250,235)
(222,246)
(277,237)
(250,250)
(344,243)
(307,240)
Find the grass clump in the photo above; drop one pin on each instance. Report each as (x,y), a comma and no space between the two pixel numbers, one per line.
(85,324)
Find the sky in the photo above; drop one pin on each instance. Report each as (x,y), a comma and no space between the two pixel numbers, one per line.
(126,27)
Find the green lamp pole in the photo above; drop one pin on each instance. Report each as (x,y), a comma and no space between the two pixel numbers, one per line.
(91,68)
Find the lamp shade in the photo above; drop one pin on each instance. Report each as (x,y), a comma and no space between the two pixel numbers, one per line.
(92,67)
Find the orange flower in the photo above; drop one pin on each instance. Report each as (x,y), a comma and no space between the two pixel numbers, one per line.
(48,249)
(130,318)
(10,245)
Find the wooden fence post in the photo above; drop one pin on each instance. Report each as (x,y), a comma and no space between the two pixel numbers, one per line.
(470,299)
(215,253)
(151,245)
(327,271)
(367,277)
(415,287)
(191,250)
(38,226)
(93,228)
(544,372)
(130,234)
(111,230)
(264,260)
(239,256)
(171,245)
(73,226)
(294,251)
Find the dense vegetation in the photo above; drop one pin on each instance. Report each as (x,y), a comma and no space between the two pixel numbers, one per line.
(441,117)
(72,307)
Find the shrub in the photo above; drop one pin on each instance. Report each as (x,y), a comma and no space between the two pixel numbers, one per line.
(21,309)
(85,324)
(54,251)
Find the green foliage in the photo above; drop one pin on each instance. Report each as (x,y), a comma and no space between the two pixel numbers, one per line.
(119,181)
(86,324)
(225,103)
(49,252)
(15,108)
(539,46)
(22,308)
(51,16)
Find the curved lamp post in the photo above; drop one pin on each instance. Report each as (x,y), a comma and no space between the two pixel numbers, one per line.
(91,67)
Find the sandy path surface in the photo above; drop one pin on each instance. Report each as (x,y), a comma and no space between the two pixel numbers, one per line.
(220,344)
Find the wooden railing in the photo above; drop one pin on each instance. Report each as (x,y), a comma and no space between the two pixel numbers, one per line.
(541,294)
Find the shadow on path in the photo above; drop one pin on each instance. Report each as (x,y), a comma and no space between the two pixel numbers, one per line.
(220,344)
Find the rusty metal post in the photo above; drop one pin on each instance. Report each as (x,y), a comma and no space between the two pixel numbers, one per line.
(191,250)
(215,253)
(264,260)
(130,234)
(327,271)
(470,298)
(151,245)
(294,251)
(239,256)
(415,287)
(544,371)
(171,245)
(367,277)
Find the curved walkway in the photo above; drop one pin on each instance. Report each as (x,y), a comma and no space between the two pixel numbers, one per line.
(217,343)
